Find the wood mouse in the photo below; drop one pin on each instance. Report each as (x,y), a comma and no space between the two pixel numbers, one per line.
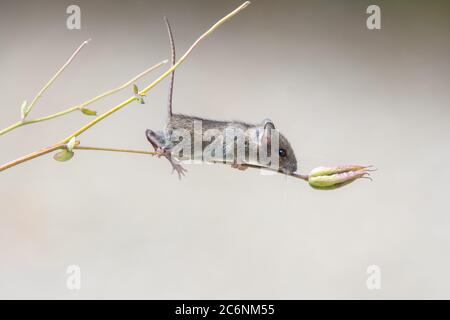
(183,129)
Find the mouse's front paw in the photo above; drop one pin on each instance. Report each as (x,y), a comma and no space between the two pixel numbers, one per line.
(239,166)
(161,151)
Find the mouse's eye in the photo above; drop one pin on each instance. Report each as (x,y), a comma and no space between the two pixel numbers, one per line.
(282,153)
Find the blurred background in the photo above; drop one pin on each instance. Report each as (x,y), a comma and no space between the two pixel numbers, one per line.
(340,92)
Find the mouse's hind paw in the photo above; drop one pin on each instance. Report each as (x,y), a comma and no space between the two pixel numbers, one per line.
(181,171)
(176,166)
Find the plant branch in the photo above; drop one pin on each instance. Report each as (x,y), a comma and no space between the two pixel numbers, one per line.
(32,155)
(117,150)
(255,166)
(50,82)
(63,144)
(19,124)
(84,104)
(77,146)
(162,77)
(123,86)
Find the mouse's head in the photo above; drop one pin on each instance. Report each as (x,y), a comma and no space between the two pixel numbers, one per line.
(287,162)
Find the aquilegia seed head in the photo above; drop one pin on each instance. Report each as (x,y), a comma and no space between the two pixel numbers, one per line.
(326,178)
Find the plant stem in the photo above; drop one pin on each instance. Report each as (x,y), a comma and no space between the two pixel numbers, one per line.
(123,86)
(117,150)
(11,127)
(50,82)
(62,144)
(100,118)
(19,124)
(52,116)
(255,166)
(79,147)
(84,104)
(31,156)
(164,75)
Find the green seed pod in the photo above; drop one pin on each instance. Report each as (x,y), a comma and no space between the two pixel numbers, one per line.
(326,178)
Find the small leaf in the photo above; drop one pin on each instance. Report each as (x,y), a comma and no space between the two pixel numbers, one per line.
(88,112)
(24,109)
(71,144)
(63,155)
(140,99)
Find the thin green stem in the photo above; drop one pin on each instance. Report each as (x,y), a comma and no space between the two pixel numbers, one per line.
(52,116)
(293,174)
(84,104)
(62,144)
(11,127)
(186,54)
(117,150)
(57,74)
(79,147)
(100,118)
(255,166)
(19,124)
(162,77)
(123,86)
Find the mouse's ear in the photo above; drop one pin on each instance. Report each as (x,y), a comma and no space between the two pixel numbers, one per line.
(267,126)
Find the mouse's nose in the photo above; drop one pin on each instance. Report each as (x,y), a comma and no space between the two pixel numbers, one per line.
(293,167)
(289,168)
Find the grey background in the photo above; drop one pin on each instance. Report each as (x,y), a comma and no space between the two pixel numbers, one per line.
(340,92)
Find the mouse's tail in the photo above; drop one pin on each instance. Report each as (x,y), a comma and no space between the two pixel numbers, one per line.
(172,76)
